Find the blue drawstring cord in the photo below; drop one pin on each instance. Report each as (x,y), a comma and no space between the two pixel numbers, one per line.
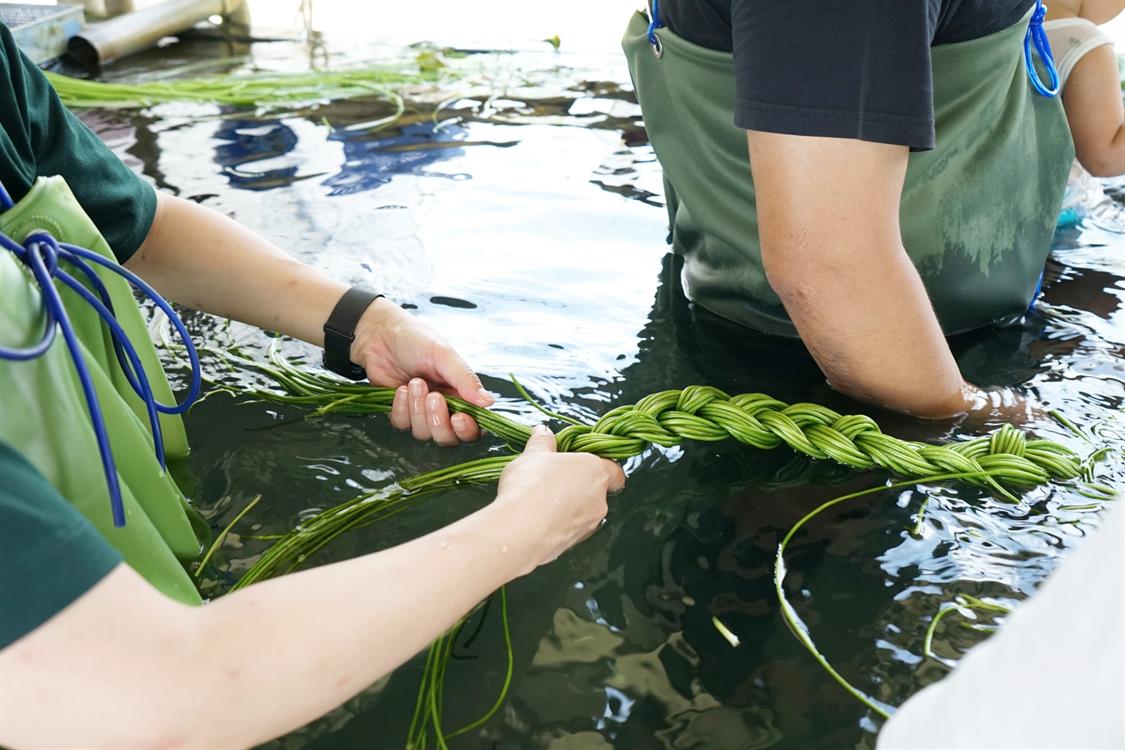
(654,24)
(1036,34)
(41,253)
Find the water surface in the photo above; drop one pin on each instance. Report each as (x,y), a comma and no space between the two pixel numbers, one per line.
(525,221)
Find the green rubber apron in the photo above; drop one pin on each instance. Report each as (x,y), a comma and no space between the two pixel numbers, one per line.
(43,414)
(977,212)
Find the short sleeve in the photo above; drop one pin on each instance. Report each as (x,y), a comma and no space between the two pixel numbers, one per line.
(47,139)
(836,69)
(52,555)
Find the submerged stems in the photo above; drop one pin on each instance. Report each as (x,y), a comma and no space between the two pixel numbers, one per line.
(789,613)
(430,702)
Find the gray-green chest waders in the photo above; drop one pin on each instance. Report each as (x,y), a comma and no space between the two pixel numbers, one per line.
(977,212)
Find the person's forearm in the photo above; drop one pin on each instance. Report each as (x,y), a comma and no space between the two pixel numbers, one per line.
(847,315)
(832,250)
(267,659)
(129,667)
(201,259)
(366,617)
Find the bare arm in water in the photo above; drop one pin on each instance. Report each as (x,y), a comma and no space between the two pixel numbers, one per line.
(832,249)
(128,667)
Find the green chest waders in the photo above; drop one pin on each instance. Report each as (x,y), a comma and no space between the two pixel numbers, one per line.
(44,416)
(977,212)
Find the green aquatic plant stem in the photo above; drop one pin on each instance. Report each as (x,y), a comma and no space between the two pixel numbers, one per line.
(960,604)
(218,542)
(509,668)
(789,613)
(429,703)
(725,632)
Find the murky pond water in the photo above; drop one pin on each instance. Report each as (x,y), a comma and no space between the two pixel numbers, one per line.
(527,225)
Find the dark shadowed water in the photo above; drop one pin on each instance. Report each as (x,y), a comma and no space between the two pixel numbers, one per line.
(525,221)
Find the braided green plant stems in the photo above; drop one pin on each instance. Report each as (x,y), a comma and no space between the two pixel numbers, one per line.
(707,414)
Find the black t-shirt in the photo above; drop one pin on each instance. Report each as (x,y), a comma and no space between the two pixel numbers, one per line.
(837,68)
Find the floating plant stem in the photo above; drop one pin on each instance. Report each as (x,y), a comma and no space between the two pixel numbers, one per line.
(1059,417)
(725,632)
(509,668)
(543,409)
(960,604)
(916,531)
(794,621)
(218,542)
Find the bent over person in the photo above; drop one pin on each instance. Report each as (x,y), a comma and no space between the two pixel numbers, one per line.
(869,176)
(99,620)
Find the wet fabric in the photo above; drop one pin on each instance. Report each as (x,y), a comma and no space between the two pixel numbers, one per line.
(977,212)
(837,69)
(52,555)
(40,137)
(45,415)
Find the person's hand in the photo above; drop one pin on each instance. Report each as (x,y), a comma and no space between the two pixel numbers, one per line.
(398,350)
(990,408)
(555,499)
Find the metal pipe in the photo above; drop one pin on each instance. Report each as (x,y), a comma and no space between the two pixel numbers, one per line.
(141,29)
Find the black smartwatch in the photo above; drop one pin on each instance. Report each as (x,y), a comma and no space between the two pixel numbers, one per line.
(339,332)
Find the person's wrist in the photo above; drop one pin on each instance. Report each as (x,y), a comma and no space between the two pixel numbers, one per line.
(376,319)
(956,404)
(506,530)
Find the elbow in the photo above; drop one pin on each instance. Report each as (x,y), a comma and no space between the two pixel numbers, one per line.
(1102,167)
(797,277)
(1103,159)
(184,696)
(209,686)
(1098,163)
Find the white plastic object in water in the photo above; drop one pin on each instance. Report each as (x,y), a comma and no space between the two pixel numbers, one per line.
(1082,192)
(1054,675)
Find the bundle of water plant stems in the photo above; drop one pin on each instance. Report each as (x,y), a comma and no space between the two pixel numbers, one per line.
(1004,462)
(256,89)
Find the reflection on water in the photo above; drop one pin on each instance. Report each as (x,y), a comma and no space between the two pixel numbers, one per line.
(527,225)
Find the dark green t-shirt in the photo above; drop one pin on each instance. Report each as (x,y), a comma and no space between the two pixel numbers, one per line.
(39,137)
(52,555)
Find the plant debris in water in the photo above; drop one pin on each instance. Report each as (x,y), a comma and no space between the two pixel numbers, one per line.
(258,89)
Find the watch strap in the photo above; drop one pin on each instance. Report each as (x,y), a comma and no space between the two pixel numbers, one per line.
(339,332)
